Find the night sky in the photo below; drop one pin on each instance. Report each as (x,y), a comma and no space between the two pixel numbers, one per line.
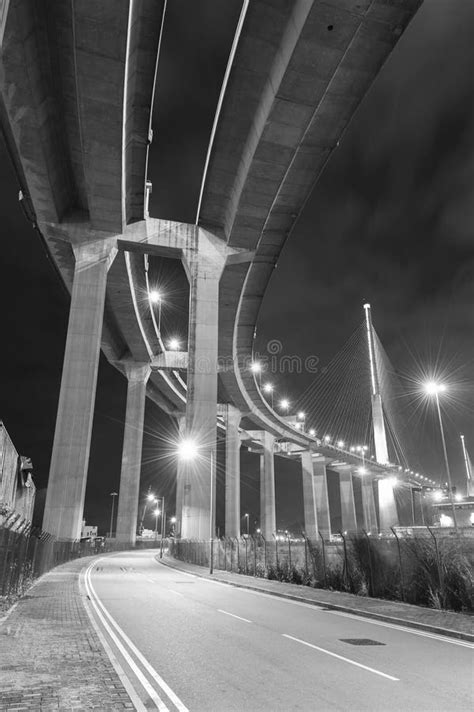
(390,222)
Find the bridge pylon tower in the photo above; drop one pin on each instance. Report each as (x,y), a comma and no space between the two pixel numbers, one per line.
(468,466)
(380,437)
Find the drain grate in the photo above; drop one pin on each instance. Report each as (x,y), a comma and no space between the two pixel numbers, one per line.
(360,641)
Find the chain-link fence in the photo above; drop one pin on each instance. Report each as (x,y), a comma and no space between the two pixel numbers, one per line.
(419,565)
(28,553)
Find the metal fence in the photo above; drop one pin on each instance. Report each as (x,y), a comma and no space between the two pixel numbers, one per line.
(420,565)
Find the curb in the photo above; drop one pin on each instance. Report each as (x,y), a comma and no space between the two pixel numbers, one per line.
(447,632)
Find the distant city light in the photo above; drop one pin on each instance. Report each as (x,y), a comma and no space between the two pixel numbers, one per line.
(284,404)
(268,388)
(327,438)
(340,443)
(438,495)
(362,471)
(312,432)
(256,367)
(173,344)
(301,415)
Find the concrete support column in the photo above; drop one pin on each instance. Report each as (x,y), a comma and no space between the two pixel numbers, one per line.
(267,487)
(368,504)
(70,457)
(180,480)
(322,499)
(348,512)
(127,514)
(204,268)
(309,496)
(388,513)
(232,471)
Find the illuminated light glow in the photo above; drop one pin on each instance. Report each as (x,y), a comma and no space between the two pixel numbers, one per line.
(312,432)
(327,438)
(301,415)
(187,449)
(446,521)
(340,443)
(458,497)
(432,388)
(362,471)
(438,495)
(173,344)
(155,296)
(256,367)
(297,426)
(156,512)
(285,404)
(471,518)
(173,520)
(150,497)
(392,481)
(268,388)
(352,448)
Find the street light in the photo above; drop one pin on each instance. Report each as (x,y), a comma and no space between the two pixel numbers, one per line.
(247,518)
(188,451)
(155,298)
(156,512)
(434,389)
(113,495)
(256,368)
(284,404)
(302,418)
(268,388)
(173,344)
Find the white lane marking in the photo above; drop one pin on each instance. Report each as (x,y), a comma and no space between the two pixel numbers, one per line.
(146,685)
(321,607)
(422,633)
(149,668)
(246,620)
(176,592)
(341,657)
(125,680)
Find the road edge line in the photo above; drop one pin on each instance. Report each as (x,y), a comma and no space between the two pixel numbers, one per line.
(446,632)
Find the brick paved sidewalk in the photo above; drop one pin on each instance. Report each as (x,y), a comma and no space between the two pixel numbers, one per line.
(455,625)
(50,655)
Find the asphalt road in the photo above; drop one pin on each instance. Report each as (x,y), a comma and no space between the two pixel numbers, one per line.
(181,642)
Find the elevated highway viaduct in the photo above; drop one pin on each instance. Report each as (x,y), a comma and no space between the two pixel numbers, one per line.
(77,125)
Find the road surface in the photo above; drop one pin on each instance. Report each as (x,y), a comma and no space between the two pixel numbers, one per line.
(184,643)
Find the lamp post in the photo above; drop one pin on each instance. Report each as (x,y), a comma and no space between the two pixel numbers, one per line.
(268,388)
(155,298)
(163,525)
(434,389)
(188,450)
(302,418)
(113,495)
(256,368)
(156,513)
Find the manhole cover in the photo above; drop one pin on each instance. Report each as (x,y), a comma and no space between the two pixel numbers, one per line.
(360,641)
